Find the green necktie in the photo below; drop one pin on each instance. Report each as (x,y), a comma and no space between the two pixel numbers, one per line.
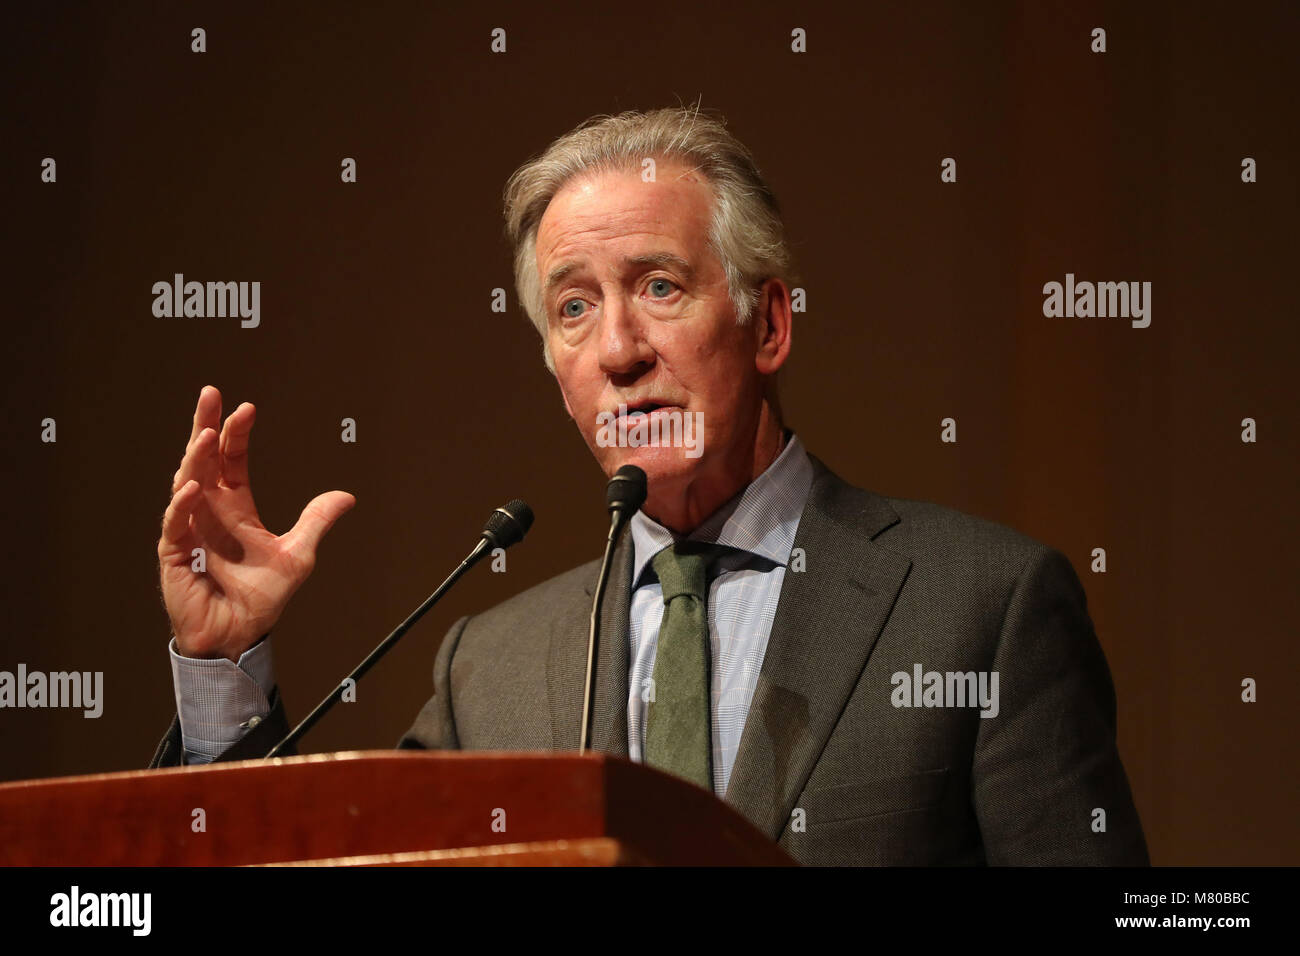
(677,719)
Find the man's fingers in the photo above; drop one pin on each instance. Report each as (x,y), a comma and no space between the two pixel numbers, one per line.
(207,413)
(176,520)
(200,462)
(235,436)
(316,519)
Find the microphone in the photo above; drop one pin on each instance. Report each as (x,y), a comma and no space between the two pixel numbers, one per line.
(626,491)
(504,527)
(624,495)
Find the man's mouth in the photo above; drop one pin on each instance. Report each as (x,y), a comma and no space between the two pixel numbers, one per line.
(645,407)
(649,422)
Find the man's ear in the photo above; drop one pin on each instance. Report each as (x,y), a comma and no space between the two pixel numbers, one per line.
(773,320)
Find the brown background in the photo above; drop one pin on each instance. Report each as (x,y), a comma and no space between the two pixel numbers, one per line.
(924,302)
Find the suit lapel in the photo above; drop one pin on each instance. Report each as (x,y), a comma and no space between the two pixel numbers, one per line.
(827,621)
(566,665)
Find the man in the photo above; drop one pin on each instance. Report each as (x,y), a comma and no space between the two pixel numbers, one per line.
(870,680)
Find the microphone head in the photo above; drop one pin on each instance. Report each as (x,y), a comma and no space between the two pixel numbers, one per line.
(509,524)
(626,491)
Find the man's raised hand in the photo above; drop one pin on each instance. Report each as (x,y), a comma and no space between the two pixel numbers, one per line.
(250,573)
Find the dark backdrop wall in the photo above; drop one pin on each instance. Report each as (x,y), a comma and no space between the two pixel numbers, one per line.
(924,301)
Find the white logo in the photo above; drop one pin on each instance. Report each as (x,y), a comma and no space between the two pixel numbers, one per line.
(102,909)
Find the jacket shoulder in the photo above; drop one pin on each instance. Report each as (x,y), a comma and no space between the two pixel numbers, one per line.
(934,531)
(498,627)
(543,596)
(930,534)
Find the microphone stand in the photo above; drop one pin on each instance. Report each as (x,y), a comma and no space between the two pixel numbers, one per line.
(505,526)
(624,495)
(337,694)
(615,527)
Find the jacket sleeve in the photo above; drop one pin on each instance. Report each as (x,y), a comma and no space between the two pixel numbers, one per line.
(266,734)
(435,726)
(1048,762)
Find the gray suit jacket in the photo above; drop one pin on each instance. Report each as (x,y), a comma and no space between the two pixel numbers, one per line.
(828,766)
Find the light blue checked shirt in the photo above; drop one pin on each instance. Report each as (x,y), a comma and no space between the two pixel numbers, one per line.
(743,589)
(216,700)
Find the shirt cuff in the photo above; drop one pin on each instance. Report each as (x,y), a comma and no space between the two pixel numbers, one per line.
(217,699)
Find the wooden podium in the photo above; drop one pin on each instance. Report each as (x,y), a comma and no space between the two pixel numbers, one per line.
(379,808)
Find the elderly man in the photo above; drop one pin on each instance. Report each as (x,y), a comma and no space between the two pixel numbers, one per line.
(868,679)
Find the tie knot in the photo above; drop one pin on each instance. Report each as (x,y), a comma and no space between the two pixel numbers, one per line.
(681,570)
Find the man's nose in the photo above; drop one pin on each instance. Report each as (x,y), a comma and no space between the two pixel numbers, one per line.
(623,347)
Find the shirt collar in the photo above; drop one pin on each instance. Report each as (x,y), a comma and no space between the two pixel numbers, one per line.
(761,520)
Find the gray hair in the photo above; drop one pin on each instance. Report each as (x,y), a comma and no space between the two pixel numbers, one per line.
(747,233)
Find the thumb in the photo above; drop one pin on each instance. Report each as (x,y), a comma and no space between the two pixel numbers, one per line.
(316,519)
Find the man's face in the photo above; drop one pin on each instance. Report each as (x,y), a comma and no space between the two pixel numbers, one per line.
(642,318)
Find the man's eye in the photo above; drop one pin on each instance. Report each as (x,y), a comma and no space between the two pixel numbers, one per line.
(567,313)
(666,285)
